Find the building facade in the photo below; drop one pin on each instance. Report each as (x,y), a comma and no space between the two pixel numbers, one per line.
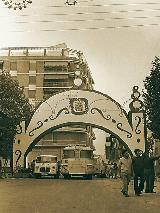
(43,72)
(113,148)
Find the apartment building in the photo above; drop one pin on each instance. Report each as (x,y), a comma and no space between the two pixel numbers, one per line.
(43,72)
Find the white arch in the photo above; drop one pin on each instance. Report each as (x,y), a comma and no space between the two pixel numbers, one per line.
(90,107)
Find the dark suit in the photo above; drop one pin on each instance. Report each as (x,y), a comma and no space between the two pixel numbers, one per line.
(149,173)
(138,169)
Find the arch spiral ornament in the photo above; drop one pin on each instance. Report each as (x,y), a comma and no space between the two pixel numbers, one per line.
(19,154)
(138,131)
(93,111)
(65,110)
(17,4)
(39,124)
(51,117)
(119,126)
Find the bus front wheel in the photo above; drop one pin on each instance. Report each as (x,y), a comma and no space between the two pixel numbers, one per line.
(56,176)
(67,176)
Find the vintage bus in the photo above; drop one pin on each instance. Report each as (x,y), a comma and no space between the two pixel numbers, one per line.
(45,165)
(77,161)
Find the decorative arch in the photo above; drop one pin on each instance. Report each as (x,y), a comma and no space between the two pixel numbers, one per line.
(84,107)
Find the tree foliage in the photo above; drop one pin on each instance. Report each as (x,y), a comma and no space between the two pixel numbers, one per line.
(15,106)
(151,97)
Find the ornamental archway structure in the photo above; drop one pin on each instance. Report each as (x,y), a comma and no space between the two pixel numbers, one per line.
(82,107)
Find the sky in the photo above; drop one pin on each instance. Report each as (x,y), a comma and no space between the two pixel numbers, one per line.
(119,38)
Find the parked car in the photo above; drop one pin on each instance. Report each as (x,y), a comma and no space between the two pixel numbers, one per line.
(46,165)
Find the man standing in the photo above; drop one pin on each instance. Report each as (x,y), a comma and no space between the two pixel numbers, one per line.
(125,170)
(138,170)
(149,172)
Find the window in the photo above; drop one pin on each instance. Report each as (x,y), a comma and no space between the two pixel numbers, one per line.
(32,80)
(13,66)
(32,66)
(46,159)
(32,93)
(55,67)
(69,154)
(86,154)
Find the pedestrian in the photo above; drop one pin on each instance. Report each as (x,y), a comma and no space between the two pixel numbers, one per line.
(111,170)
(107,170)
(149,172)
(115,170)
(33,165)
(138,172)
(125,170)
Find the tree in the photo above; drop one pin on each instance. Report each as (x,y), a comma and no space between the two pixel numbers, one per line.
(15,106)
(151,97)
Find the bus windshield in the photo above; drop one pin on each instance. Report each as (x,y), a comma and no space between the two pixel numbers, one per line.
(46,159)
(69,154)
(86,154)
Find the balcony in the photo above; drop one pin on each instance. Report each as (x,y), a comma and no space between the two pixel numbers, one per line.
(50,85)
(55,69)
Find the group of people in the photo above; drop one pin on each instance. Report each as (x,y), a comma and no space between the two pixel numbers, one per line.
(141,167)
(111,170)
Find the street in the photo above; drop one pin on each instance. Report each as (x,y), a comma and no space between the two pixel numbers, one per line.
(73,196)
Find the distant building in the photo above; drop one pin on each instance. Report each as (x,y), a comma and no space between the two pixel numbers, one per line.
(43,72)
(113,148)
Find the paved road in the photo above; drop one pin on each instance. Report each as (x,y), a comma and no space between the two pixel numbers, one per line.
(72,196)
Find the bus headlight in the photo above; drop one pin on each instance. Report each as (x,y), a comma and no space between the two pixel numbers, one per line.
(36,168)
